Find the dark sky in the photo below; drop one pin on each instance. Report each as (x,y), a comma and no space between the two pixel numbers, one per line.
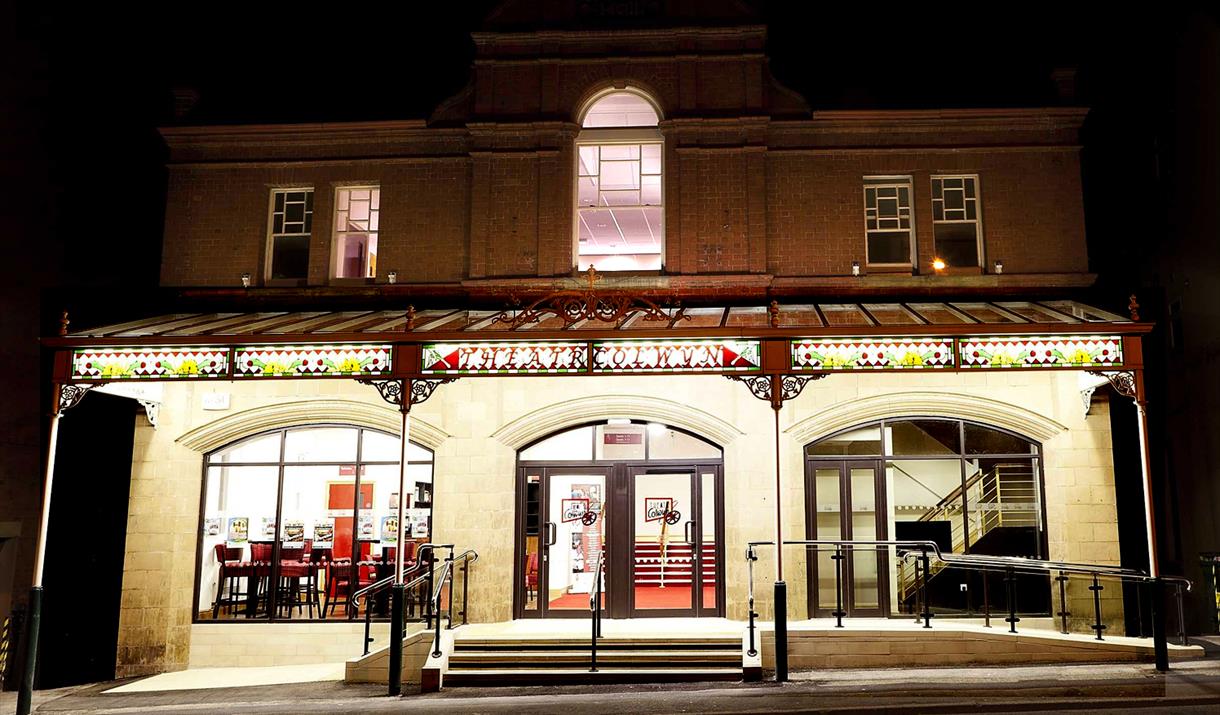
(91,83)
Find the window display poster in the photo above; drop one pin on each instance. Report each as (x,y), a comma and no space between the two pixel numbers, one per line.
(367,526)
(324,534)
(389,530)
(420,528)
(211,527)
(269,527)
(239,530)
(294,534)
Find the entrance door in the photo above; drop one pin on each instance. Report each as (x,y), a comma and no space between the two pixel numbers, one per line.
(674,553)
(565,531)
(845,500)
(657,526)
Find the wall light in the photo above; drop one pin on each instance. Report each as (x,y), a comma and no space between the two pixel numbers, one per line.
(939,264)
(855,268)
(656,429)
(245,280)
(999,266)
(618,421)
(392,276)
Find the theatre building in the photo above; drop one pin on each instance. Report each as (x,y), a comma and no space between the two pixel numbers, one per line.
(614,317)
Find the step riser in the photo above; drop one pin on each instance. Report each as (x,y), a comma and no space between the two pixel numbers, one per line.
(457,680)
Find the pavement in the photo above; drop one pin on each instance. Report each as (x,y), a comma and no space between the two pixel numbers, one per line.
(1190,687)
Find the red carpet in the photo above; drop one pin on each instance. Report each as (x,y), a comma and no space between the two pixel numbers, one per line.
(646,597)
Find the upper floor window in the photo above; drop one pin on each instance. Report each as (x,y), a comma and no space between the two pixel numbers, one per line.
(888,221)
(619,198)
(291,223)
(357,211)
(956,220)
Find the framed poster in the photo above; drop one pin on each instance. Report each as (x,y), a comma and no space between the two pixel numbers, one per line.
(655,508)
(239,530)
(269,528)
(324,534)
(367,528)
(573,509)
(211,527)
(389,530)
(294,534)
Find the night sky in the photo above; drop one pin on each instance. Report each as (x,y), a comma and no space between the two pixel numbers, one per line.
(93,82)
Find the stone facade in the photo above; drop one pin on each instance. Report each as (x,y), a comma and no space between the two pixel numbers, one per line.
(475,427)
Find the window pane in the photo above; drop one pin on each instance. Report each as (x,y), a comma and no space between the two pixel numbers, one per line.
(889,247)
(957,243)
(923,437)
(321,444)
(235,558)
(650,158)
(667,443)
(1003,501)
(984,440)
(926,499)
(575,445)
(865,441)
(621,109)
(265,448)
(290,257)
(651,194)
(588,156)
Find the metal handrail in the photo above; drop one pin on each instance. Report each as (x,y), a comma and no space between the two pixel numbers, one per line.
(389,580)
(595,609)
(1009,565)
(466,556)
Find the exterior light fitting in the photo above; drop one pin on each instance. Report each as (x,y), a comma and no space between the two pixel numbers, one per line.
(999,267)
(938,264)
(656,429)
(618,421)
(855,268)
(245,280)
(392,277)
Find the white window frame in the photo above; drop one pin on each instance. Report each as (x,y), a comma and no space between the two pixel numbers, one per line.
(269,248)
(890,181)
(336,235)
(978,214)
(607,136)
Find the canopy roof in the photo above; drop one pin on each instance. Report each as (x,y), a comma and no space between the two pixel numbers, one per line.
(810,319)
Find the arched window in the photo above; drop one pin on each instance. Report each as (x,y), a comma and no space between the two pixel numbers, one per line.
(312,510)
(620,217)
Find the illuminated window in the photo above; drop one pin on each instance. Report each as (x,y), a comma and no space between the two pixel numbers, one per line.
(357,211)
(620,214)
(888,220)
(288,242)
(956,224)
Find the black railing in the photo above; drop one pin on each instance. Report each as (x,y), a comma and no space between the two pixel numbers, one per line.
(595,609)
(922,552)
(438,589)
(361,597)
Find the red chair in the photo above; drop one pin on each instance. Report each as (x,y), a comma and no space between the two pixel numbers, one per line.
(232,569)
(531,576)
(339,581)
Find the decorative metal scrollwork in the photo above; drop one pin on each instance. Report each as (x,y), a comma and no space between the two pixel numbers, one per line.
(71,395)
(1123,381)
(572,306)
(390,390)
(790,385)
(421,390)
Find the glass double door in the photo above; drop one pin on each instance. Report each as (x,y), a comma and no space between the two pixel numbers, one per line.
(845,500)
(656,527)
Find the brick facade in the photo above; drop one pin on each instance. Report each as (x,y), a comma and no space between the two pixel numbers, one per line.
(761,194)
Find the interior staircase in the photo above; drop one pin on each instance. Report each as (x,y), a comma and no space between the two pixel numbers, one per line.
(565,660)
(675,568)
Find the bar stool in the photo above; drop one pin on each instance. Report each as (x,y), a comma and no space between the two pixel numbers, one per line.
(233,571)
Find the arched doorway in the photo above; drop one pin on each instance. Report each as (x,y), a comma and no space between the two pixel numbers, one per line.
(648,495)
(969,487)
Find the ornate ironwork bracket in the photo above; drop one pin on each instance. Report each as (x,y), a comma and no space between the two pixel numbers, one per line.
(421,390)
(1123,381)
(572,306)
(761,386)
(71,395)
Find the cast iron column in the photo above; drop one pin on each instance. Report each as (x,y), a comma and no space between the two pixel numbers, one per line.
(25,694)
(781,588)
(398,593)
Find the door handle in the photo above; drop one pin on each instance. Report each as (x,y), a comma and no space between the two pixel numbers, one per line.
(688,532)
(551,533)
